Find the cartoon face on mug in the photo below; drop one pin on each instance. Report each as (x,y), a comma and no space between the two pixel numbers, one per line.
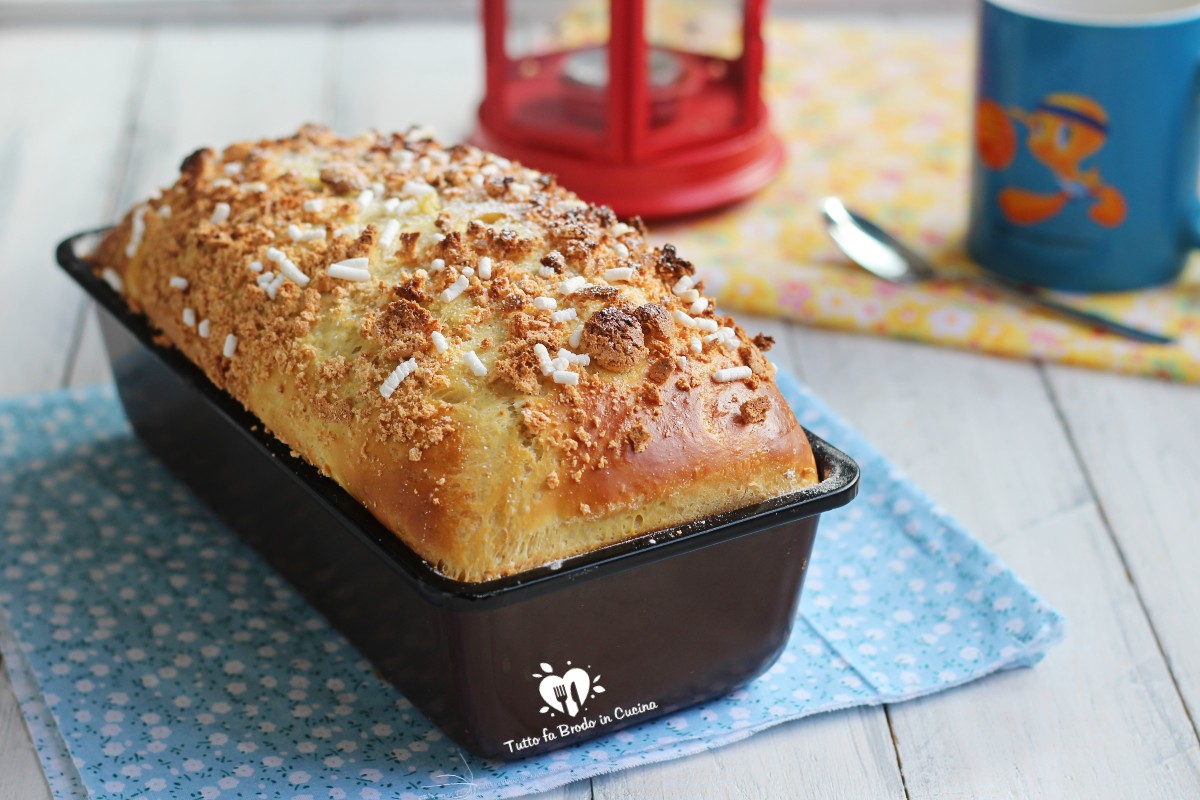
(1062,132)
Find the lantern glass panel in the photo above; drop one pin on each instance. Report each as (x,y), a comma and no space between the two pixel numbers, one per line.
(703,27)
(542,27)
(557,72)
(694,72)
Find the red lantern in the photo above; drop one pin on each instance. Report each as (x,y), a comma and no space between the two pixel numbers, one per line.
(652,107)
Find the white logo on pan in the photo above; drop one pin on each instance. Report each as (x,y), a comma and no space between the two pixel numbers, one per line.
(571,697)
(567,693)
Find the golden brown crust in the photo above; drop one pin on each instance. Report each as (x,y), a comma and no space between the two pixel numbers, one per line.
(473,265)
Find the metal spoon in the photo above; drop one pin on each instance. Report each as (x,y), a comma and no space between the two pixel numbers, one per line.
(879,253)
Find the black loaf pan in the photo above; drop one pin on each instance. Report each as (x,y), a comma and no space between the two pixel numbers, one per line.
(511,667)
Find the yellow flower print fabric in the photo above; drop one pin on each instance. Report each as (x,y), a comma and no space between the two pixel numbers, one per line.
(880,115)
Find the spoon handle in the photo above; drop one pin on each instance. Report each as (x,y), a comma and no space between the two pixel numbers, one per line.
(1036,298)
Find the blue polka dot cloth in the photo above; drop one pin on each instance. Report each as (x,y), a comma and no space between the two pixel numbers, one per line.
(155,656)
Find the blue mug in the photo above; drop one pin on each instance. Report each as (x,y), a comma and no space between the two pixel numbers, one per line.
(1084,168)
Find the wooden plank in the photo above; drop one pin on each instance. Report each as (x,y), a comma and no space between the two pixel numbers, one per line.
(1100,717)
(75,12)
(167,129)
(199,93)
(391,76)
(90,363)
(368,69)
(61,129)
(211,87)
(580,790)
(391,102)
(848,754)
(981,737)
(163,12)
(1139,441)
(20,773)
(56,174)
(391,54)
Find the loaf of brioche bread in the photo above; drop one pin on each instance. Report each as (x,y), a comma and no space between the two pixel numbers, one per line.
(503,374)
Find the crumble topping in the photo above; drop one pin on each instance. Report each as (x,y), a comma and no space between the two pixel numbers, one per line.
(380,275)
(755,409)
(613,338)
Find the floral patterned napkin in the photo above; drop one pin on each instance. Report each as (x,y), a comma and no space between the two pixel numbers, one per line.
(880,116)
(155,656)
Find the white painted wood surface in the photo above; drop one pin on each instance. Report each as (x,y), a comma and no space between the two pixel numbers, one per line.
(42,12)
(1088,484)
(1101,717)
(63,97)
(1140,444)
(20,774)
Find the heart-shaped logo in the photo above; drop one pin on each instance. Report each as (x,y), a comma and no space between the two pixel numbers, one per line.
(567,693)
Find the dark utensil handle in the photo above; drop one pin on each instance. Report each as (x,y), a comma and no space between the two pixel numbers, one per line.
(1034,297)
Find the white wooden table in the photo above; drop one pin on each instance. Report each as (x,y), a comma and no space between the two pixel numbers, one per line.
(1087,483)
